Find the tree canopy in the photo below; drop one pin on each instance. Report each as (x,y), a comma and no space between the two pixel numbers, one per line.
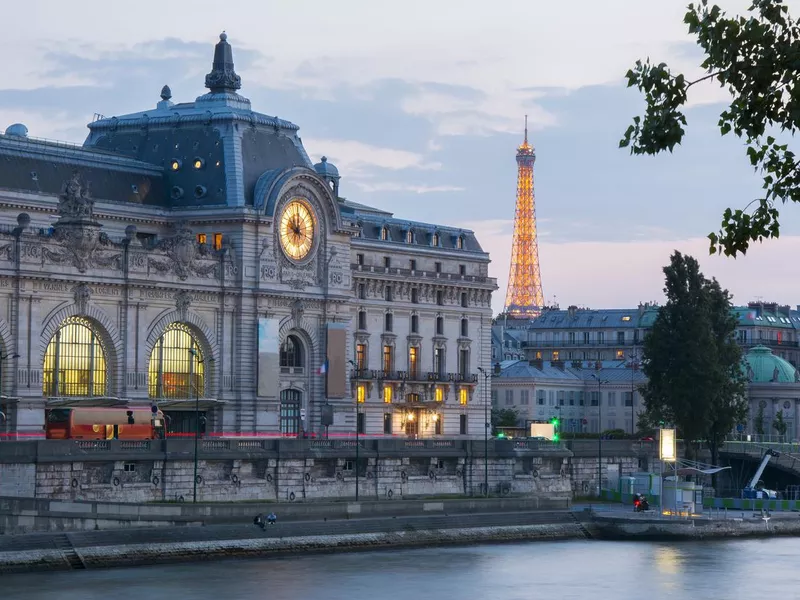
(757,58)
(691,359)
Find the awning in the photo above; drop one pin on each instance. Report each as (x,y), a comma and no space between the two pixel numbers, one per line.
(696,471)
(73,401)
(186,404)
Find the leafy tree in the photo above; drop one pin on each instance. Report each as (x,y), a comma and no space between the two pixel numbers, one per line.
(756,59)
(692,361)
(504,417)
(758,421)
(779,424)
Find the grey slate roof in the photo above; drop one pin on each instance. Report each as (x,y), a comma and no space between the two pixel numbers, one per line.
(611,371)
(372,225)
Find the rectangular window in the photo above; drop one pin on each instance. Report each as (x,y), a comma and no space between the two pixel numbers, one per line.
(571,337)
(388,293)
(362,291)
(439,325)
(414,296)
(217,241)
(585,337)
(509,397)
(439,394)
(437,425)
(462,270)
(362,423)
(561,395)
(464,300)
(438,266)
(361,356)
(388,322)
(601,337)
(439,298)
(387,423)
(412,363)
(620,337)
(556,355)
(612,398)
(628,398)
(540,397)
(462,424)
(463,396)
(202,238)
(581,398)
(360,259)
(361,392)
(463,363)
(414,324)
(387,358)
(523,397)
(572,398)
(387,394)
(362,320)
(620,355)
(438,361)
(387,261)
(595,398)
(494,397)
(412,264)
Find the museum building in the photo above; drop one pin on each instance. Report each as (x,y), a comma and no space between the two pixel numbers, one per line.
(192,255)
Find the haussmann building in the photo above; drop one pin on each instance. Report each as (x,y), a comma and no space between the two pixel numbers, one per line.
(192,253)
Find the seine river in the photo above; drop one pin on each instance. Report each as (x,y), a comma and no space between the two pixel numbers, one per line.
(537,570)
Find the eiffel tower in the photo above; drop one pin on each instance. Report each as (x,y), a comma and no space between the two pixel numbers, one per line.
(524,297)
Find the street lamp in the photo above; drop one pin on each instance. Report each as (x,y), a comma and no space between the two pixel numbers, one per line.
(486,377)
(358,444)
(195,354)
(599,434)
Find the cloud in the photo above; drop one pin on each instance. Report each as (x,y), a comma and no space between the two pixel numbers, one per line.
(356,157)
(403,187)
(622,274)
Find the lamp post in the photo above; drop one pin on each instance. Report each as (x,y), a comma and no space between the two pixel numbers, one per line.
(485,430)
(358,444)
(3,357)
(195,354)
(600,382)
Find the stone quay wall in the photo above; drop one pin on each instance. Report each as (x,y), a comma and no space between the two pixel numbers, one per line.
(230,470)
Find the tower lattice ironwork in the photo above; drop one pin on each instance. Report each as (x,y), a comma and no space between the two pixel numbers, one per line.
(524,297)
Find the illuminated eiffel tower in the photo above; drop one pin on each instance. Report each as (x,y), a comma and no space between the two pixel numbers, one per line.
(524,297)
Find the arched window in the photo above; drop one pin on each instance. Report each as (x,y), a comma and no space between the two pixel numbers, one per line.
(435,239)
(75,361)
(292,352)
(385,233)
(409,237)
(176,365)
(460,242)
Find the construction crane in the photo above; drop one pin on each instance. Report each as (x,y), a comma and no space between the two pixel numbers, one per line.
(755,492)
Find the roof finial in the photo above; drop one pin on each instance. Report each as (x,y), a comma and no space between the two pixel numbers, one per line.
(166,93)
(223,78)
(526,130)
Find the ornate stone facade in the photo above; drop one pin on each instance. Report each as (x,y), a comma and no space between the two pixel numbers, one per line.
(149,267)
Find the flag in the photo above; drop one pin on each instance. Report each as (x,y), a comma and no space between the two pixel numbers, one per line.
(323,367)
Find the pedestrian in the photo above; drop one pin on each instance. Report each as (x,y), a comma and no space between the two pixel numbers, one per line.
(259,520)
(272,518)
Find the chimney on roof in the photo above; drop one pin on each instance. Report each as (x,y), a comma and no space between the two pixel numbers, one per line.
(571,311)
(536,363)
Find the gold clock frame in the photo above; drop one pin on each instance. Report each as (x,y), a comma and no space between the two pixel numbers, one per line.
(297,229)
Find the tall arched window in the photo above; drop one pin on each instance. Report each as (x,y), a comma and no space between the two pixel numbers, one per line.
(176,365)
(75,361)
(292,352)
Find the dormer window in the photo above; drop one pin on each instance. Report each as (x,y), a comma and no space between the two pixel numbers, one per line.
(460,242)
(409,237)
(435,239)
(384,233)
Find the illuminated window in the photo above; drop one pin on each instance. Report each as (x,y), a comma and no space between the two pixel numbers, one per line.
(439,394)
(361,356)
(387,358)
(175,164)
(217,241)
(538,355)
(361,392)
(176,367)
(291,352)
(620,355)
(75,361)
(290,412)
(412,362)
(463,396)
(387,394)
(555,354)
(626,318)
(202,238)
(198,163)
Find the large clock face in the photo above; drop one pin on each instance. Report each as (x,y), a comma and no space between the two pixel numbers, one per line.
(297,230)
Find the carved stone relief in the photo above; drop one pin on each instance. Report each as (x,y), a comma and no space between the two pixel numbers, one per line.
(184,256)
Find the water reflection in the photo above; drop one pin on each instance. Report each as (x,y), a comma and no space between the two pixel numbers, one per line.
(547,570)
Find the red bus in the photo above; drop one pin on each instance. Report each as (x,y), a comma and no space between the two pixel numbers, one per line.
(90,423)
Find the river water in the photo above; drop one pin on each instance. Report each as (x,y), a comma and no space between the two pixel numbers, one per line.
(546,570)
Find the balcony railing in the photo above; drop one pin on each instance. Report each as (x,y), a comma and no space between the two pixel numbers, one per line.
(579,344)
(420,273)
(415,376)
